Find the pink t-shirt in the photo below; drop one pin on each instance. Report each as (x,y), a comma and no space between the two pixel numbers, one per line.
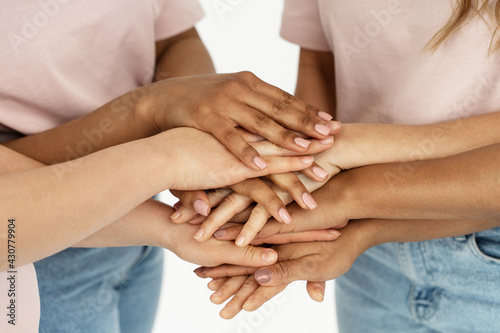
(61,59)
(382,74)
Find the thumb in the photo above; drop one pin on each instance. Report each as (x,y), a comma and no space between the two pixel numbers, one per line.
(282,273)
(250,256)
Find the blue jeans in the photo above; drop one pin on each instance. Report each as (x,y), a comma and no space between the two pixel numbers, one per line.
(108,290)
(445,285)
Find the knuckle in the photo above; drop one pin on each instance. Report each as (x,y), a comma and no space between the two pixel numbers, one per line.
(278,108)
(229,134)
(250,283)
(304,120)
(250,254)
(311,109)
(231,201)
(260,212)
(282,271)
(232,84)
(288,99)
(261,119)
(247,75)
(286,135)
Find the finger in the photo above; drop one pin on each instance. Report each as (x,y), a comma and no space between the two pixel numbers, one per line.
(316,290)
(248,256)
(225,271)
(262,125)
(255,223)
(182,214)
(228,289)
(216,283)
(243,216)
(248,136)
(234,142)
(230,206)
(235,305)
(286,272)
(260,192)
(261,296)
(319,174)
(300,237)
(290,183)
(307,122)
(193,201)
(271,228)
(277,164)
(198,219)
(269,148)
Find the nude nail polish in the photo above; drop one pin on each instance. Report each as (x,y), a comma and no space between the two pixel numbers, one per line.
(240,240)
(322,129)
(263,276)
(219,233)
(302,142)
(198,234)
(320,172)
(307,160)
(175,215)
(327,141)
(309,201)
(325,116)
(269,256)
(285,216)
(201,207)
(259,162)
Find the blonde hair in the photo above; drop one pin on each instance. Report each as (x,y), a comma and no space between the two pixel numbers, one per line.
(463,12)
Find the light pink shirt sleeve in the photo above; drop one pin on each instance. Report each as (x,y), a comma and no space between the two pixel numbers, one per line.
(302,25)
(176,16)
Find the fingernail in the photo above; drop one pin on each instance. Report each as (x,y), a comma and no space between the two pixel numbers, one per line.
(206,270)
(201,207)
(218,293)
(177,205)
(247,305)
(176,215)
(334,232)
(219,233)
(325,116)
(198,271)
(263,276)
(269,256)
(285,216)
(198,234)
(259,162)
(309,201)
(320,294)
(240,240)
(320,172)
(327,141)
(307,160)
(334,125)
(322,129)
(302,142)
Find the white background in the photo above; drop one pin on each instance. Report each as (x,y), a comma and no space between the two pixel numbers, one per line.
(242,35)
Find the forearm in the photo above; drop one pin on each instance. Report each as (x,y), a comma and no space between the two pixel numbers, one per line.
(463,186)
(379,231)
(365,144)
(316,80)
(119,121)
(183,55)
(68,202)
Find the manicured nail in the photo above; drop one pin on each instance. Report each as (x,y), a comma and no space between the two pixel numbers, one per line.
(248,305)
(320,294)
(177,205)
(334,125)
(322,129)
(285,216)
(176,215)
(309,201)
(201,207)
(325,116)
(240,240)
(198,234)
(302,142)
(307,160)
(259,162)
(263,276)
(219,233)
(327,141)
(269,256)
(198,271)
(334,232)
(320,172)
